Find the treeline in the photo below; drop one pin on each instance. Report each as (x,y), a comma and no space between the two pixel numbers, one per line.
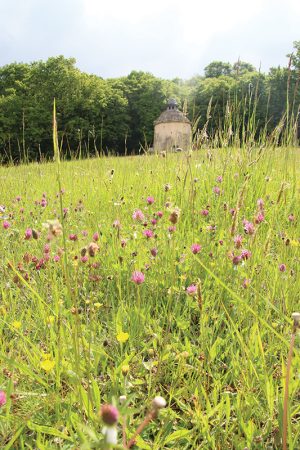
(230,104)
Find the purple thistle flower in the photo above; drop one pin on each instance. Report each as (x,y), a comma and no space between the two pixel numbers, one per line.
(28,234)
(195,248)
(96,237)
(148,233)
(138,215)
(248,227)
(138,277)
(6,225)
(191,290)
(238,241)
(150,200)
(282,267)
(154,251)
(109,414)
(2,398)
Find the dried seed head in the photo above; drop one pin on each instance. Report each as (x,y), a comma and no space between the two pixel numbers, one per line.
(159,402)
(296,319)
(122,399)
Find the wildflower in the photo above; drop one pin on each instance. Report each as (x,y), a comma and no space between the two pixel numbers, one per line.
(232,211)
(122,337)
(96,237)
(159,214)
(154,251)
(44,203)
(191,290)
(109,414)
(150,200)
(245,254)
(54,228)
(35,235)
(159,402)
(172,229)
(84,233)
(92,249)
(138,277)
(248,227)
(84,259)
(259,218)
(238,241)
(46,248)
(125,369)
(47,365)
(138,215)
(6,225)
(296,319)
(236,259)
(16,324)
(73,237)
(219,179)
(167,187)
(196,248)
(204,212)
(116,224)
(148,233)
(174,216)
(246,283)
(28,234)
(154,222)
(217,190)
(56,258)
(260,204)
(282,267)
(291,218)
(2,398)
(123,243)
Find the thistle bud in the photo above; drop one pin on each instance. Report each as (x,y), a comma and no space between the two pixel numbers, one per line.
(109,414)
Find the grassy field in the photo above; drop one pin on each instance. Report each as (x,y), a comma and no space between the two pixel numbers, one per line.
(206,324)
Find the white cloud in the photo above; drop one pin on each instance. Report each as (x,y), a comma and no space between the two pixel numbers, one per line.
(167,37)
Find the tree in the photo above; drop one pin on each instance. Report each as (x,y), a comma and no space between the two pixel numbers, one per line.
(217,68)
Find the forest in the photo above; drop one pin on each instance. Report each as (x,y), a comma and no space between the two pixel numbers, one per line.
(115,116)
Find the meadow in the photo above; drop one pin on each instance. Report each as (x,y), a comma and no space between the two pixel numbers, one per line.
(150,276)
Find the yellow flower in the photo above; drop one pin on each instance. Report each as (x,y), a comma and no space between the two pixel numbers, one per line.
(3,311)
(47,365)
(125,369)
(98,305)
(122,337)
(50,319)
(16,324)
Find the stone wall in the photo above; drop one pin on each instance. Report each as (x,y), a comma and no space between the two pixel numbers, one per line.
(170,135)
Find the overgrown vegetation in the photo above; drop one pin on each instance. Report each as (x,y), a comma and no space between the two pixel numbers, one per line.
(99,116)
(173,276)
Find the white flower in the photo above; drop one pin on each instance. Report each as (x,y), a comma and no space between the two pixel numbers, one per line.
(111,435)
(159,402)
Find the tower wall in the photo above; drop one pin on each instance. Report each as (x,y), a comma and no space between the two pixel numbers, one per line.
(170,135)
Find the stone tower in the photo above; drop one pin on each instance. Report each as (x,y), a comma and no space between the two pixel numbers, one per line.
(172,130)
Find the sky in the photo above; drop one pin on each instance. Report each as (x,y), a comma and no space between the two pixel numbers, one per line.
(169,38)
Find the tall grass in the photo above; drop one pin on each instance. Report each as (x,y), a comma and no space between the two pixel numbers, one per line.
(218,358)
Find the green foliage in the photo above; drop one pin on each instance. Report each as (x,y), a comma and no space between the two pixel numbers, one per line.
(217,358)
(99,116)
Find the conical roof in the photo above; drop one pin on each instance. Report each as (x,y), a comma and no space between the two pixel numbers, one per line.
(172,114)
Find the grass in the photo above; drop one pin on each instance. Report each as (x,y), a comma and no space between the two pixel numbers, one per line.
(218,358)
